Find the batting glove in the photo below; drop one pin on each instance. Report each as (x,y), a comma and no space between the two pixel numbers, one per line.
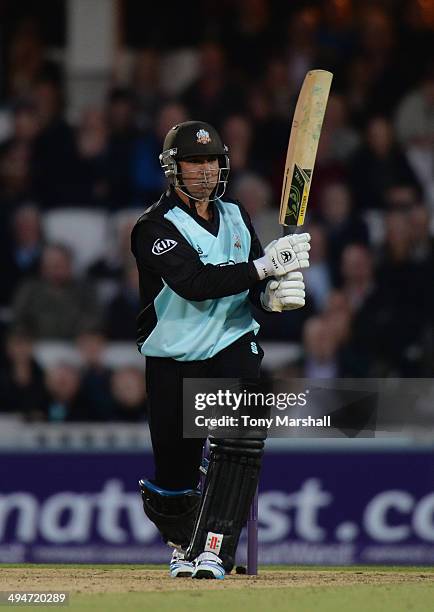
(285,255)
(285,294)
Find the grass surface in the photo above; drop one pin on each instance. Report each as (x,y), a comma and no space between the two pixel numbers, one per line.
(312,589)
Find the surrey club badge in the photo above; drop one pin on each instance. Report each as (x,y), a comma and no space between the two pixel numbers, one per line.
(203,137)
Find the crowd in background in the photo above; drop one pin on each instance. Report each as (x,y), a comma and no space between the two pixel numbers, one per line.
(370,306)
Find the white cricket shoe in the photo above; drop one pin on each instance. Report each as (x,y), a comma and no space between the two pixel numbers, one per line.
(179,567)
(208,565)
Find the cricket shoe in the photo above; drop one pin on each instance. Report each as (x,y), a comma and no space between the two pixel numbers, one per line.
(179,567)
(208,566)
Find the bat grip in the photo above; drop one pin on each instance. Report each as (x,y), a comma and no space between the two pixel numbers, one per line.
(286,231)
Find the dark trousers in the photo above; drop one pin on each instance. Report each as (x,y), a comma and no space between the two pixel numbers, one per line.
(176,459)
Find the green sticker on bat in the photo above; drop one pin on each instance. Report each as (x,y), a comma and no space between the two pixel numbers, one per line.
(298,195)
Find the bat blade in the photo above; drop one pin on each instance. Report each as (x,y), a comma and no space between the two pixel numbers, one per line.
(303,145)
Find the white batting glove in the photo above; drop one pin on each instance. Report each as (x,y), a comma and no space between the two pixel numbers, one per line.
(285,255)
(285,294)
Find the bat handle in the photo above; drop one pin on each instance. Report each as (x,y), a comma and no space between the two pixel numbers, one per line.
(287,230)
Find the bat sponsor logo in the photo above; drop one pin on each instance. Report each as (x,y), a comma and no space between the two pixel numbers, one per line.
(298,195)
(203,137)
(163,245)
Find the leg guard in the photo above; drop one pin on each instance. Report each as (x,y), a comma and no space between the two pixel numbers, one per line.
(173,512)
(231,481)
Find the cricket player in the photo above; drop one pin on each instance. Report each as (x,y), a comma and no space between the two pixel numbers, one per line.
(201,265)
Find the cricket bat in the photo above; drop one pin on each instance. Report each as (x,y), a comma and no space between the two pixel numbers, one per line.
(302,148)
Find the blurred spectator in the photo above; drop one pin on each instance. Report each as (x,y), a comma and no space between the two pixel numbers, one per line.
(255,195)
(213,95)
(415,131)
(129,393)
(378,165)
(414,116)
(54,158)
(64,400)
(147,176)
(123,308)
(21,378)
(92,163)
(26,59)
(55,305)
(146,86)
(320,346)
(248,36)
(343,138)
(342,224)
(401,197)
(270,139)
(108,272)
(237,135)
(421,239)
(25,123)
(357,275)
(21,253)
(122,136)
(377,42)
(95,376)
(15,178)
(410,301)
(302,49)
(317,277)
(15,169)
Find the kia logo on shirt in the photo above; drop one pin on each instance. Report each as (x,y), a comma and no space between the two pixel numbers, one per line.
(162,245)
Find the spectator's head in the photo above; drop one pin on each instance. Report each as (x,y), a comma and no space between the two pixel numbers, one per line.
(26,124)
(319,340)
(47,98)
(146,71)
(91,345)
(26,226)
(237,132)
(56,265)
(397,236)
(253,14)
(318,244)
(212,60)
(402,197)
(379,136)
(26,56)
(303,26)
(15,169)
(128,389)
(419,224)
(120,110)
(376,34)
(92,133)
(336,203)
(259,104)
(336,113)
(337,314)
(62,381)
(254,192)
(237,135)
(19,346)
(356,266)
(170,114)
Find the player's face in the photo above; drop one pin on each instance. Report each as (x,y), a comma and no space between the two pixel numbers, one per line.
(200,175)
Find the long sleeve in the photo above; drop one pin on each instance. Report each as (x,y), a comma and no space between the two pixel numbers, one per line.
(161,249)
